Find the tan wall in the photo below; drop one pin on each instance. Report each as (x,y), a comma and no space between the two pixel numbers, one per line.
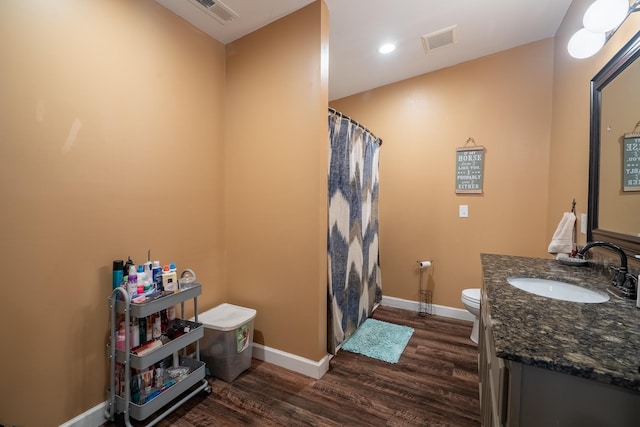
(88,89)
(503,101)
(111,126)
(569,167)
(276,160)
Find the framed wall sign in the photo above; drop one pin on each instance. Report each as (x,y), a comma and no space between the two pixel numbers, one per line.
(469,168)
(631,162)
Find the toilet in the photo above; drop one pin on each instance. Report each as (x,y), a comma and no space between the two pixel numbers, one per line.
(471,300)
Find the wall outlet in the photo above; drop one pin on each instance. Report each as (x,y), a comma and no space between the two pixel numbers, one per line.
(463,211)
(583,223)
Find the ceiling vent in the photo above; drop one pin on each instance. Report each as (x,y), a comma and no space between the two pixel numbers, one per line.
(218,10)
(440,38)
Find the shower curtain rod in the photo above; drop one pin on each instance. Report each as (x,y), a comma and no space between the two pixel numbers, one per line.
(334,111)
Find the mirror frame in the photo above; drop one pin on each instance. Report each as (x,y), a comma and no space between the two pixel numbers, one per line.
(620,61)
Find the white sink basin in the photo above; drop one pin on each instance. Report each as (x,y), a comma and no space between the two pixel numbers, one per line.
(557,290)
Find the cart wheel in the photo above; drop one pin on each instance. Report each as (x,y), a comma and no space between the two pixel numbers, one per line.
(207,391)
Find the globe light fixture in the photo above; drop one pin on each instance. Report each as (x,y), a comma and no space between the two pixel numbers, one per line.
(600,21)
(585,43)
(605,15)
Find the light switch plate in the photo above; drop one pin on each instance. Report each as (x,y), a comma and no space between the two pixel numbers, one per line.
(463,211)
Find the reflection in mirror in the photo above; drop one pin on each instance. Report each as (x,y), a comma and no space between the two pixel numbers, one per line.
(614,214)
(619,210)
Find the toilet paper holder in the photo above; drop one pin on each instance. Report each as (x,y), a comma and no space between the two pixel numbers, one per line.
(424,294)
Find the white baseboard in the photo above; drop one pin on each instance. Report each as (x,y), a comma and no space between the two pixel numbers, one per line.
(438,310)
(95,417)
(291,361)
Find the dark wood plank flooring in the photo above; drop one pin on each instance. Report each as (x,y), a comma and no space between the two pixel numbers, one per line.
(435,383)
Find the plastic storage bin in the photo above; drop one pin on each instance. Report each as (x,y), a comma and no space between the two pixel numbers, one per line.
(228,337)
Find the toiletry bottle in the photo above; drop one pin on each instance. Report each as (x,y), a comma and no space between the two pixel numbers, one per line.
(132,281)
(157,328)
(149,327)
(127,269)
(174,270)
(157,275)
(141,279)
(148,276)
(164,322)
(148,268)
(135,332)
(171,313)
(169,279)
(120,340)
(143,329)
(118,265)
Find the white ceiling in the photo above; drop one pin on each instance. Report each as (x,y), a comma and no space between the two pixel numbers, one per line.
(358,27)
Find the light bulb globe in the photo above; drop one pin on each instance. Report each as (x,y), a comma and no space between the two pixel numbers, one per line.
(605,15)
(585,43)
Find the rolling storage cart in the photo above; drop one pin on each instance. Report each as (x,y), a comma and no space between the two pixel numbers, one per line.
(120,398)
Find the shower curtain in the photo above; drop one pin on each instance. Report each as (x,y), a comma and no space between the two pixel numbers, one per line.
(354,272)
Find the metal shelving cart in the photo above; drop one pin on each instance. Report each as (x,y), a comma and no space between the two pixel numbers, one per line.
(190,385)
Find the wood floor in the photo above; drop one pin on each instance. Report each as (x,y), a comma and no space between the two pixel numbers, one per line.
(435,383)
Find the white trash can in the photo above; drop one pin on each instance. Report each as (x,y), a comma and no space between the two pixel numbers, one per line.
(226,347)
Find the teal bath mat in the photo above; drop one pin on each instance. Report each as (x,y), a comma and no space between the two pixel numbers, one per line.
(379,340)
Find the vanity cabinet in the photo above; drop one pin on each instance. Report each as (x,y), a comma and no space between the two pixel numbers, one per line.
(493,374)
(517,394)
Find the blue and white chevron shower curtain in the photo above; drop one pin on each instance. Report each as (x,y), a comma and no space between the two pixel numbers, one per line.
(354,272)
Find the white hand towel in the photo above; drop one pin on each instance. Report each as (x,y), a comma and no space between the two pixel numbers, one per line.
(562,241)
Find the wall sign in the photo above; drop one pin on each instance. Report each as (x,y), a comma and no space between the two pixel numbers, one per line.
(469,168)
(631,162)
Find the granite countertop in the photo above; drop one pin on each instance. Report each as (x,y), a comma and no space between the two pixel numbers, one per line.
(595,341)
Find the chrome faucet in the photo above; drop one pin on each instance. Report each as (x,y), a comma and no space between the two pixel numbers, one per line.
(623,284)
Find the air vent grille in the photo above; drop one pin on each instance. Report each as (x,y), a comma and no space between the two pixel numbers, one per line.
(206,3)
(220,11)
(440,38)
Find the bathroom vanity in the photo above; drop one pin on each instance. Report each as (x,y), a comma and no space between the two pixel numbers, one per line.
(547,362)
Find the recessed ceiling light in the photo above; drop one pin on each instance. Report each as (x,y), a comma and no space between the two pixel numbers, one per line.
(387,48)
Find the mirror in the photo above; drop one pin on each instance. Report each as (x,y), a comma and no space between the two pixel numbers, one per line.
(614,206)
